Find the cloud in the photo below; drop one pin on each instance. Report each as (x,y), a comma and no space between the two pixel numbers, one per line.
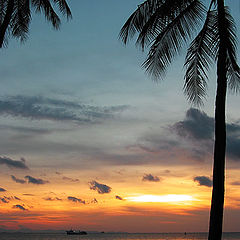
(4,199)
(25,130)
(119,198)
(236,183)
(37,181)
(150,178)
(77,200)
(197,125)
(70,179)
(94,200)
(7,199)
(17,180)
(100,188)
(233,141)
(2,190)
(52,199)
(20,207)
(13,163)
(57,110)
(203,181)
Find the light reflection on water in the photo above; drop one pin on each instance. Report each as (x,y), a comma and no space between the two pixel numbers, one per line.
(107,236)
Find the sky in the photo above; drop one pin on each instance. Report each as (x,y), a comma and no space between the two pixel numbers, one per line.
(90,142)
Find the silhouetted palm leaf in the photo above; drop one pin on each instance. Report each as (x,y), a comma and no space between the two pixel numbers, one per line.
(14,21)
(44,6)
(200,55)
(156,23)
(171,39)
(138,19)
(20,19)
(233,70)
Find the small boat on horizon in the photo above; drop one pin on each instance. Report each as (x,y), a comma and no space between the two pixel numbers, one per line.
(71,232)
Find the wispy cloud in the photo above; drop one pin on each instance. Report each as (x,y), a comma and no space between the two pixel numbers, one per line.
(236,183)
(150,178)
(37,181)
(14,163)
(100,188)
(70,179)
(77,200)
(4,199)
(52,199)
(203,181)
(57,110)
(20,207)
(119,198)
(94,200)
(18,180)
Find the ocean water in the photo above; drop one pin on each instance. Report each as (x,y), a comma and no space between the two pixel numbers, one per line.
(117,236)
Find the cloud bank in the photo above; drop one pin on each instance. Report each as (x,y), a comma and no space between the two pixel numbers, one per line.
(41,108)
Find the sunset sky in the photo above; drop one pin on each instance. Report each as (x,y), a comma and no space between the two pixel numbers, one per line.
(89,141)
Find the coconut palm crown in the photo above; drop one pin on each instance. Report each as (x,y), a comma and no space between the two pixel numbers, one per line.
(164,27)
(15,16)
(167,25)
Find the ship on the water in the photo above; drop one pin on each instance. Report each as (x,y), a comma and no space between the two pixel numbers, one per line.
(71,232)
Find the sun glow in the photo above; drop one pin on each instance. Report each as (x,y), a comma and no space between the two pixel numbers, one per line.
(161,199)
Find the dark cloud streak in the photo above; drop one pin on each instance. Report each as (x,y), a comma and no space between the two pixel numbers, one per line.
(17,180)
(150,178)
(76,200)
(37,181)
(100,188)
(41,108)
(14,163)
(203,181)
(20,207)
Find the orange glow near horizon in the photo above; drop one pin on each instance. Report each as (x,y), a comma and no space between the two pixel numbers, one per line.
(132,205)
(170,198)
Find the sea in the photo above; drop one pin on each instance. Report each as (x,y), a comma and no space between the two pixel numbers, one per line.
(114,236)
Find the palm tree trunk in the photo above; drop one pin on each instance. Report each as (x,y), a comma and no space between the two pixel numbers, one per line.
(6,21)
(216,214)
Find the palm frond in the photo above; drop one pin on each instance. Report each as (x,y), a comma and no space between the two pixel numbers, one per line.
(171,39)
(46,7)
(200,55)
(7,11)
(138,19)
(156,22)
(63,7)
(21,19)
(233,70)
(3,7)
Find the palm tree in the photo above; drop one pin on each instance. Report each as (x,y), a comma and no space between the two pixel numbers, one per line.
(165,26)
(15,16)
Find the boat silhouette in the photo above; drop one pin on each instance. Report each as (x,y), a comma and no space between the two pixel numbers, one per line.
(71,232)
